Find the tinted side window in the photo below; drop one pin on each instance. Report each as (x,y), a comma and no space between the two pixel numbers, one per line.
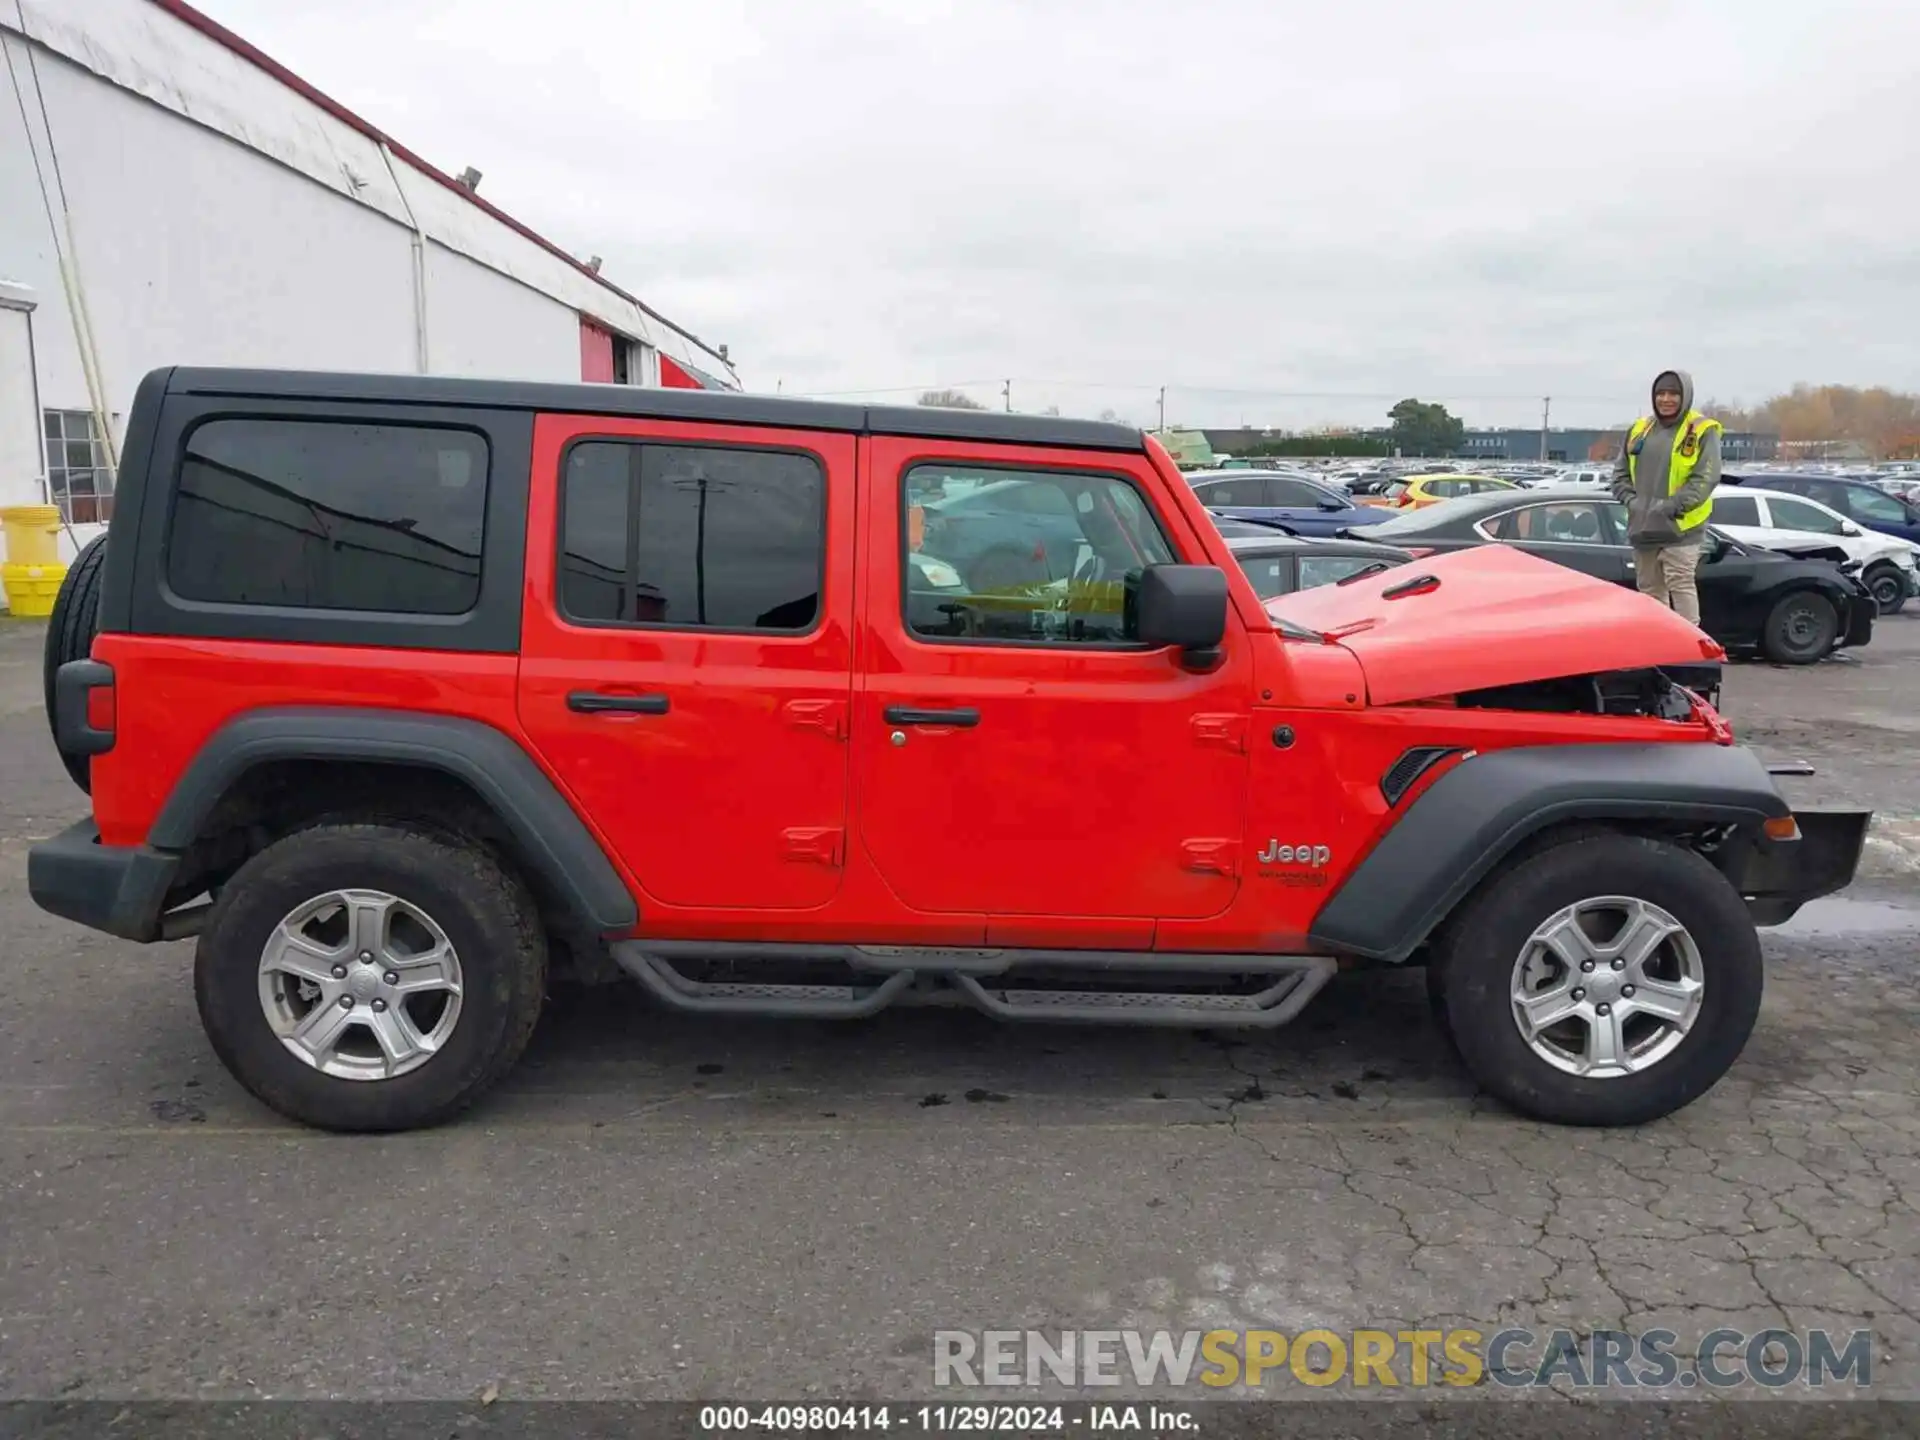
(690,537)
(1875,507)
(319,515)
(1800,515)
(1249,492)
(1295,492)
(1735,510)
(990,575)
(1270,575)
(1571,523)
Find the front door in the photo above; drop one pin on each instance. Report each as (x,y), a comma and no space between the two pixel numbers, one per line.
(686,657)
(1015,752)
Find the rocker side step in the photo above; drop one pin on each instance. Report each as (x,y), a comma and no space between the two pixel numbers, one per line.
(942,974)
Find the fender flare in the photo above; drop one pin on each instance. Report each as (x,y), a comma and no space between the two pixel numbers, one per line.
(1437,850)
(550,836)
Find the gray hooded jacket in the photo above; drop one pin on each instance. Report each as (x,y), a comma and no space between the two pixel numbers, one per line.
(1650,510)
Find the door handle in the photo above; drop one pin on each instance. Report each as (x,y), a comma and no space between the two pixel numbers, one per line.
(965,718)
(592,702)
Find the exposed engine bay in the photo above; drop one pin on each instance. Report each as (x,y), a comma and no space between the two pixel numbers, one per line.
(1665,693)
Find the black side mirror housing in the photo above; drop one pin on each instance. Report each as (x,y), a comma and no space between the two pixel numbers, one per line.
(1183,606)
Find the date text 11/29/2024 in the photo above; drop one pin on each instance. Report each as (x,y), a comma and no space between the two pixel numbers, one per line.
(949,1419)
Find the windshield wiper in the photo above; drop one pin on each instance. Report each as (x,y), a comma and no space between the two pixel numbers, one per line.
(1290,631)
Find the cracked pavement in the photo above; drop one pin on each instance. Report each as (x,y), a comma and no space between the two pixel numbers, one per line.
(658,1207)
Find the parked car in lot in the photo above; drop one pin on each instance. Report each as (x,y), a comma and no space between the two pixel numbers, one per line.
(398,692)
(1308,507)
(1790,610)
(1279,564)
(1865,504)
(1797,525)
(1416,492)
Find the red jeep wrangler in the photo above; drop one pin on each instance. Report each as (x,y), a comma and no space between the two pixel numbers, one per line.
(398,691)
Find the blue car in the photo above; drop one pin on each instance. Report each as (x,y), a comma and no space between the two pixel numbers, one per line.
(1304,506)
(1866,505)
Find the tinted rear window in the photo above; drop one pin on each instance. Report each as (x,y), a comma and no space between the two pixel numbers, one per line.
(317,515)
(692,538)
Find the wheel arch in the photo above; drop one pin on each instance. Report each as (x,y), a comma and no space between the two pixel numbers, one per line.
(1492,807)
(448,759)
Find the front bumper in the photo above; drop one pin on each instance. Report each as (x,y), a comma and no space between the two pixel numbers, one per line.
(1860,616)
(1777,877)
(104,887)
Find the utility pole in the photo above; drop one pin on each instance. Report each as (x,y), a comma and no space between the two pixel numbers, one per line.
(1163,409)
(1546,409)
(1006,394)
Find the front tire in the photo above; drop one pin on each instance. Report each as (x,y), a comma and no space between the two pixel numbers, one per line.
(368,977)
(1801,628)
(1548,1022)
(1889,587)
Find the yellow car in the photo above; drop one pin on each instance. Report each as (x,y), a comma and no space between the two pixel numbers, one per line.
(1418,491)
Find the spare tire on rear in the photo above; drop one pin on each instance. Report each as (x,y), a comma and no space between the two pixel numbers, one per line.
(70,631)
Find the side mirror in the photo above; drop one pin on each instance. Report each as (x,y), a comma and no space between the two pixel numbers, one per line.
(1850,530)
(1184,606)
(1328,502)
(1716,547)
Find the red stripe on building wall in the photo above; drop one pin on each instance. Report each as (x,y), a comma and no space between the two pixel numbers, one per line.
(674,377)
(596,353)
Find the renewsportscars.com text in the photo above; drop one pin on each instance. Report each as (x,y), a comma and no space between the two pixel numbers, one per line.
(1604,1359)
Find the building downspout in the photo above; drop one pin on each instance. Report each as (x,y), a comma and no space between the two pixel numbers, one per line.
(422,354)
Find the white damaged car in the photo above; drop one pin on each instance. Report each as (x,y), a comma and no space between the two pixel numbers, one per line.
(1886,564)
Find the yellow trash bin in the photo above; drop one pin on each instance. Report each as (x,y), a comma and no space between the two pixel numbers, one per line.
(32,573)
(33,534)
(31,589)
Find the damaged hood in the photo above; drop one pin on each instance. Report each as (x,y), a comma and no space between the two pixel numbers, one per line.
(1489,616)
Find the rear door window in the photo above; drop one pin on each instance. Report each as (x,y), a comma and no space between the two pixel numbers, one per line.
(329,515)
(692,537)
(1736,510)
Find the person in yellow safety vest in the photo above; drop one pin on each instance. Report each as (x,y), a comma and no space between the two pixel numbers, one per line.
(1665,476)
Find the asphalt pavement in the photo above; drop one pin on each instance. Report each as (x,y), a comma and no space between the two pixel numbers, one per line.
(659,1207)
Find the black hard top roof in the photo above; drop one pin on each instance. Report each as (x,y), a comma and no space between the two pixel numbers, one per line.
(723,407)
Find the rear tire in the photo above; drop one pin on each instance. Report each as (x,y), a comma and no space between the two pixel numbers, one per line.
(1800,629)
(1490,950)
(1889,586)
(482,912)
(70,631)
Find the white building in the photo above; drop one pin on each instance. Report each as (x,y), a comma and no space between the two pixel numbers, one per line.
(171,196)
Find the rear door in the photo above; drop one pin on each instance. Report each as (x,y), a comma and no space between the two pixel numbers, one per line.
(1580,534)
(1018,757)
(687,655)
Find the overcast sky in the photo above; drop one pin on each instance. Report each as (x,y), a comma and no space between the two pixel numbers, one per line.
(1286,212)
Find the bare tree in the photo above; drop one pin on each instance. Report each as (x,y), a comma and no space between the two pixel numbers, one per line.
(950,400)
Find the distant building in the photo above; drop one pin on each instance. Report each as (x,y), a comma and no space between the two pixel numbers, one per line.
(225,212)
(1578,445)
